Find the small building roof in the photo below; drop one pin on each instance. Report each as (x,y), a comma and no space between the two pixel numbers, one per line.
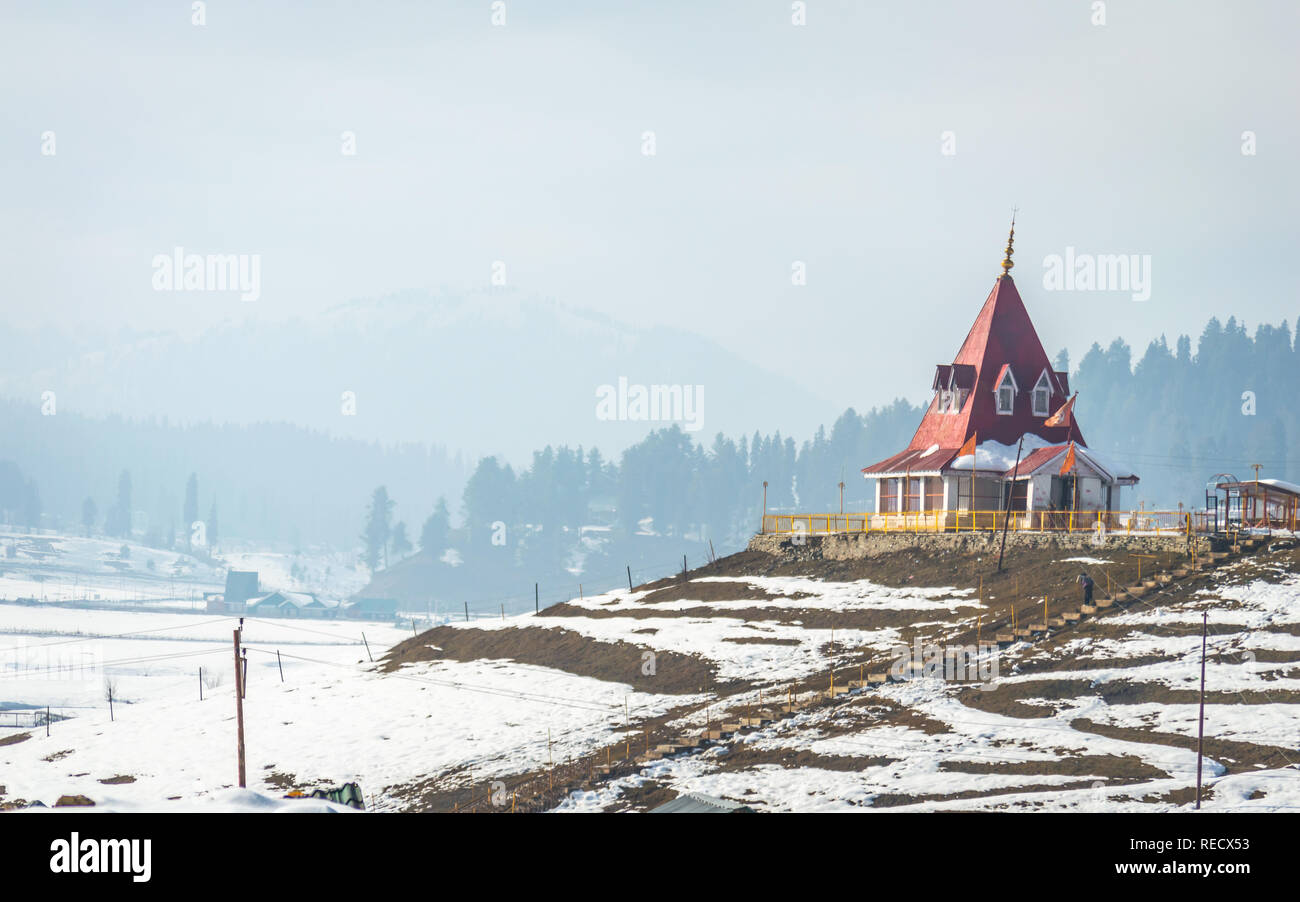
(697,803)
(1280,486)
(293,599)
(930,460)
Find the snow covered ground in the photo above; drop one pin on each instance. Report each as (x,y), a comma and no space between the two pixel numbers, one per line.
(332,719)
(1098,718)
(967,758)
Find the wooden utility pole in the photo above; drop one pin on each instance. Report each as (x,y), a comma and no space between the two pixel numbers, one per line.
(629,577)
(537,603)
(239,711)
(1200,730)
(762,527)
(1006,517)
(841,498)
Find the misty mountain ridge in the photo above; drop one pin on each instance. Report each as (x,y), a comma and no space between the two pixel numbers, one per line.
(486,372)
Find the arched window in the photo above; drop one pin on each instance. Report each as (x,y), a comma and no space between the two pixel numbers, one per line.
(1042,396)
(1006,392)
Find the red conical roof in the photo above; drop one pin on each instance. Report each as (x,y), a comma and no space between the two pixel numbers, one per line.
(1002,337)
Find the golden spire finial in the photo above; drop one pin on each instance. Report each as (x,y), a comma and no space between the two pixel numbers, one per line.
(1006,261)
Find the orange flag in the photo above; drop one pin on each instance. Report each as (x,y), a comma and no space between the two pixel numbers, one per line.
(1068,464)
(1063,416)
(968,448)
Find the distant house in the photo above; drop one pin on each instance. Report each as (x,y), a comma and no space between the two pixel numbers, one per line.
(291,604)
(371,608)
(241,585)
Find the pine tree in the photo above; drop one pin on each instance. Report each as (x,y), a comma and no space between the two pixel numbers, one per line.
(433,535)
(401,544)
(378,527)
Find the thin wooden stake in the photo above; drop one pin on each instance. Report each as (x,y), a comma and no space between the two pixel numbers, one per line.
(200,684)
(239,713)
(280,664)
(1200,730)
(629,577)
(368,654)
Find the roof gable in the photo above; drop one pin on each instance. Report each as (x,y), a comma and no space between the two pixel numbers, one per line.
(1001,337)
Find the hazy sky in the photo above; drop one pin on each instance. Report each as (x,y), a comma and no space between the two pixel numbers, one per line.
(774,143)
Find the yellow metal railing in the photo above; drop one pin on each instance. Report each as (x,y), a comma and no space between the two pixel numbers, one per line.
(1115,522)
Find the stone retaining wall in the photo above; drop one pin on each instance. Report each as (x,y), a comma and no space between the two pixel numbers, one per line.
(854,546)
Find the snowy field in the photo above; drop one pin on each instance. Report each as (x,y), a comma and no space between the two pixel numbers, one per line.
(332,719)
(1100,717)
(62,568)
(921,746)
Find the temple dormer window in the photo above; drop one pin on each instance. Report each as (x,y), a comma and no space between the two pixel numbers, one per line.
(1006,392)
(945,401)
(1042,396)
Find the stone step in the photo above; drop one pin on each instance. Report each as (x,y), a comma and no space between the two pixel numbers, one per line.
(1150,583)
(1087,609)
(1072,616)
(1024,632)
(730,728)
(1004,638)
(1056,621)
(755,721)
(1105,602)
(1180,573)
(668,748)
(1135,591)
(878,679)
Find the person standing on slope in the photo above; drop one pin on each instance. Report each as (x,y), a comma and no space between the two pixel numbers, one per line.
(1086,581)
